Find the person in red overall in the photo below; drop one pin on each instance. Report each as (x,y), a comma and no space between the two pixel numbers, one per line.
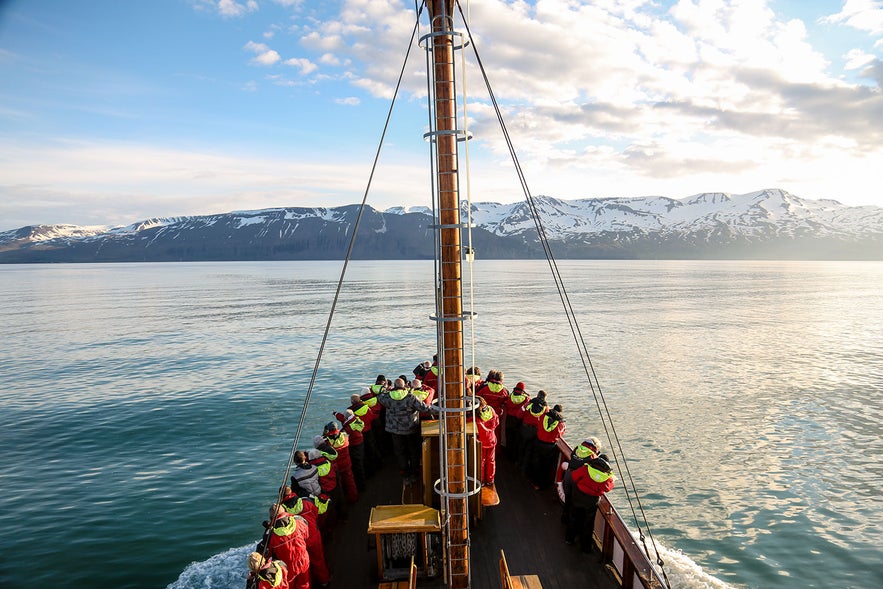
(288,543)
(340,441)
(514,410)
(353,426)
(533,413)
(373,459)
(493,391)
(305,508)
(430,378)
(371,397)
(473,379)
(266,574)
(544,459)
(424,394)
(485,423)
(590,481)
(495,394)
(322,457)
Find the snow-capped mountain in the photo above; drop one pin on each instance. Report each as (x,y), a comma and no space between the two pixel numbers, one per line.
(765,224)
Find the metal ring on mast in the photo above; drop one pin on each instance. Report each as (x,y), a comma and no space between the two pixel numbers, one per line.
(464,40)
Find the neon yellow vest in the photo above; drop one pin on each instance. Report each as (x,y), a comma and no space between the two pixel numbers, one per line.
(296,508)
(517,399)
(584,452)
(546,423)
(287,529)
(340,441)
(597,475)
(398,394)
(276,578)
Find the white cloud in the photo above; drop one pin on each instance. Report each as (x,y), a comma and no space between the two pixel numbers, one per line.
(329,59)
(265,55)
(120,183)
(304,65)
(709,85)
(857,59)
(348,101)
(864,15)
(232,9)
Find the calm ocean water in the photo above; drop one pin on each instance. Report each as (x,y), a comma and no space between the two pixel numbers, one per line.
(148,409)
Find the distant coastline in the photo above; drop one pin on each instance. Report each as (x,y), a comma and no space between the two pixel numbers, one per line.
(765,225)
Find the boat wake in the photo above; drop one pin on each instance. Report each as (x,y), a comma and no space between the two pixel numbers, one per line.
(684,573)
(226,570)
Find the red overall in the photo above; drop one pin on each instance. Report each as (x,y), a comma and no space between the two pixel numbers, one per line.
(308,510)
(288,543)
(485,425)
(340,442)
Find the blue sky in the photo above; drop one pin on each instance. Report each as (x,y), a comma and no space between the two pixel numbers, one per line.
(115,111)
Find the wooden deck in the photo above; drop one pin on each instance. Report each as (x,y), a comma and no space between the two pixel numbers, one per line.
(526,525)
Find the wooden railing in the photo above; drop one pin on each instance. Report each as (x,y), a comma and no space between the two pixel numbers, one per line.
(618,547)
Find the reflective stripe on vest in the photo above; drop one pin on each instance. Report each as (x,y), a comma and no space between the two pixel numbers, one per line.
(340,441)
(546,424)
(517,399)
(323,467)
(597,475)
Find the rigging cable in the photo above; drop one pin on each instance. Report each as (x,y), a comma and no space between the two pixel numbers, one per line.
(340,281)
(594,383)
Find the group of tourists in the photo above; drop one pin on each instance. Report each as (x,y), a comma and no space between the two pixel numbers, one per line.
(385,418)
(328,477)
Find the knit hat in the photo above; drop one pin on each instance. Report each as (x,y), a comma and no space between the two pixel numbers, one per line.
(519,386)
(331,427)
(256,561)
(592,443)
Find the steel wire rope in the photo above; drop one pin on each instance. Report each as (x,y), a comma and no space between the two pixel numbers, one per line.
(340,281)
(585,358)
(470,255)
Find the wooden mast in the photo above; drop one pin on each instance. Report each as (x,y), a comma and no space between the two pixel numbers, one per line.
(451,308)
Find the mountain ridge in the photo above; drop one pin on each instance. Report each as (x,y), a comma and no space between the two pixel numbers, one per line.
(765,224)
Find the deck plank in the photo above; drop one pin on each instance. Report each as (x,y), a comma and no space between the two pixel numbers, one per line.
(526,525)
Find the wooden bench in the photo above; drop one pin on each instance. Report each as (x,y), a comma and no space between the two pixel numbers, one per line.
(507,581)
(411,583)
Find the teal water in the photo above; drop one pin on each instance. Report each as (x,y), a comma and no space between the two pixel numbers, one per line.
(148,409)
